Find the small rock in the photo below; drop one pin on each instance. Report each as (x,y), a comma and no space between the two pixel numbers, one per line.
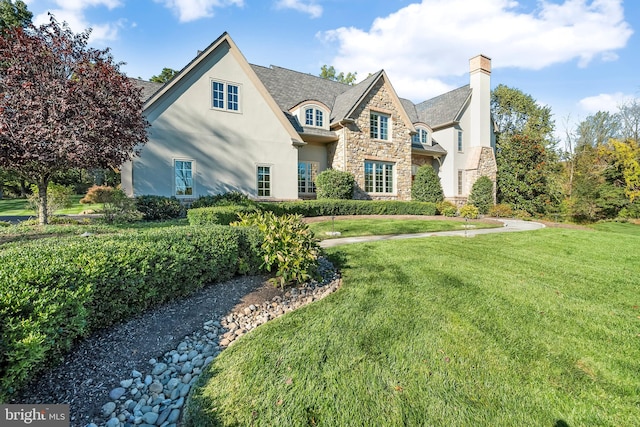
(148,379)
(163,416)
(186,378)
(186,368)
(116,393)
(192,354)
(108,408)
(159,368)
(155,387)
(150,417)
(126,383)
(113,422)
(173,417)
(152,361)
(183,346)
(179,403)
(134,391)
(183,358)
(173,383)
(185,390)
(135,374)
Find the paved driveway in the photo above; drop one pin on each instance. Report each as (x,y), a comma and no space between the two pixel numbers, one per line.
(510,225)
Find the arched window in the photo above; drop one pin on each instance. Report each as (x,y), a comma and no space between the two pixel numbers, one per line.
(313,116)
(421,137)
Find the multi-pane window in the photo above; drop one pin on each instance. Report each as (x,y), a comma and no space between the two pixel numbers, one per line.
(307,172)
(313,117)
(378,177)
(264,181)
(460,176)
(225,96)
(421,136)
(183,177)
(459,140)
(379,126)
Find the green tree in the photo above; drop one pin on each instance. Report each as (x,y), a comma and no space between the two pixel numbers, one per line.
(525,151)
(165,75)
(482,194)
(329,73)
(14,14)
(335,184)
(426,186)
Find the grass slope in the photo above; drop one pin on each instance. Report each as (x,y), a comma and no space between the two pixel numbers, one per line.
(20,207)
(537,328)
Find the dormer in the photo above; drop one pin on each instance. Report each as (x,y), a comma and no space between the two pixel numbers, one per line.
(312,114)
(423,135)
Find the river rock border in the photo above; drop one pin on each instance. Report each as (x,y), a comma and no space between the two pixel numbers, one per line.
(157,398)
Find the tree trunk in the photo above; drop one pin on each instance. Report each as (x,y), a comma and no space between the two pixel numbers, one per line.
(43,215)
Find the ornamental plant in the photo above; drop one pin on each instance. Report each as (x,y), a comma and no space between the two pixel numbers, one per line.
(427,186)
(469,211)
(289,246)
(482,194)
(334,184)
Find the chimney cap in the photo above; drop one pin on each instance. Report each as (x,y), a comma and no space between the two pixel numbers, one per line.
(480,63)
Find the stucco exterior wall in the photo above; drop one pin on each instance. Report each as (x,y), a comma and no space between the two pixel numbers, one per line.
(226,147)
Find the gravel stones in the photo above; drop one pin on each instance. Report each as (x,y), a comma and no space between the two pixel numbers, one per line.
(157,398)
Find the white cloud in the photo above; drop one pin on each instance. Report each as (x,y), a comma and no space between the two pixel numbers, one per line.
(191,10)
(435,38)
(310,7)
(604,102)
(72,12)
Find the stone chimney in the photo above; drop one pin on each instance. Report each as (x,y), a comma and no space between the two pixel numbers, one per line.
(480,107)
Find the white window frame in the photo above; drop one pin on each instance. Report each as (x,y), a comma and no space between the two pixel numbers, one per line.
(269,187)
(313,116)
(231,99)
(460,142)
(376,128)
(192,178)
(421,136)
(383,176)
(310,172)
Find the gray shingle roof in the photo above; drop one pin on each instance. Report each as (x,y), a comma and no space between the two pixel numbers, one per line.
(347,100)
(148,88)
(444,108)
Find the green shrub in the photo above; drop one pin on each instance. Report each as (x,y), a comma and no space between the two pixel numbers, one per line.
(469,211)
(446,208)
(231,198)
(55,290)
(159,207)
(98,194)
(119,208)
(222,215)
(482,194)
(501,210)
(289,245)
(631,211)
(58,197)
(331,207)
(334,184)
(426,186)
(5,224)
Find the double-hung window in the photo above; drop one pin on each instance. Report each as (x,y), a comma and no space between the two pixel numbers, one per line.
(307,172)
(183,170)
(378,177)
(264,181)
(460,141)
(225,96)
(379,126)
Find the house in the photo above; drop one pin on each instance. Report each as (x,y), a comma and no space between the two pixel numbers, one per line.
(224,125)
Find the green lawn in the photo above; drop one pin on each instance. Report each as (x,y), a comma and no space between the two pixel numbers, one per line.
(20,207)
(380,227)
(518,329)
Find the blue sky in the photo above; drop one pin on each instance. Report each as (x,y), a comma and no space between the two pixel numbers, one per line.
(577,56)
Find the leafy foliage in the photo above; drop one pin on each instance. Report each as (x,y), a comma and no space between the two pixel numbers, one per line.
(14,14)
(155,208)
(230,198)
(329,73)
(165,75)
(289,246)
(59,197)
(447,208)
(221,214)
(63,105)
(334,184)
(98,194)
(482,194)
(469,211)
(330,207)
(426,186)
(54,291)
(501,210)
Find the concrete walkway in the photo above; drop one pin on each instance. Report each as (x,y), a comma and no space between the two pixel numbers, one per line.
(510,225)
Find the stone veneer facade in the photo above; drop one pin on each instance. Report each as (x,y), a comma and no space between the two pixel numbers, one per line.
(355,145)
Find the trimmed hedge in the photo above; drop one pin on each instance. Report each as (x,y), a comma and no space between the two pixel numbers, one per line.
(159,207)
(222,215)
(54,291)
(310,208)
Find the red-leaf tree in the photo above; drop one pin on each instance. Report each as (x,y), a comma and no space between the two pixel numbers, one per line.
(63,105)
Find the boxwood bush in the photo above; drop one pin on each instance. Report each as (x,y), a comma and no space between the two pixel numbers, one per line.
(159,207)
(222,215)
(310,208)
(54,291)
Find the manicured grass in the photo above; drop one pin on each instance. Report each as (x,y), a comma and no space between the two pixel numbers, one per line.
(20,207)
(380,227)
(539,329)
